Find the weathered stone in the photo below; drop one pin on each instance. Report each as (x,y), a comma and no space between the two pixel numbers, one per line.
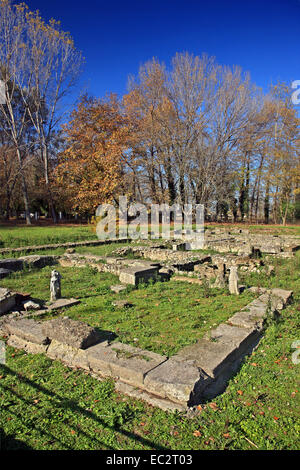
(178,380)
(152,400)
(220,281)
(233,281)
(28,330)
(134,276)
(30,305)
(7,300)
(70,251)
(121,303)
(62,303)
(38,261)
(227,344)
(13,264)
(4,273)
(285,296)
(73,357)
(126,362)
(253,315)
(28,346)
(178,247)
(71,332)
(191,280)
(118,288)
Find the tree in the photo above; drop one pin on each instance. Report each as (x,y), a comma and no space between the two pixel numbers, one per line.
(40,63)
(91,167)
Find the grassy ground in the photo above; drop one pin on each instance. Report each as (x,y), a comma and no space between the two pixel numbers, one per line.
(165,316)
(15,237)
(45,405)
(293,230)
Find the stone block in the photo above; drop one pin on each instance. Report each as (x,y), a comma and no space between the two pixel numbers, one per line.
(180,381)
(123,361)
(73,357)
(138,274)
(214,355)
(71,332)
(38,261)
(7,300)
(13,264)
(28,330)
(28,346)
(118,288)
(4,273)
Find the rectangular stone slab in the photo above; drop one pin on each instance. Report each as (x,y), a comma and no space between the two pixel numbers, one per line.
(27,329)
(176,380)
(7,300)
(12,264)
(135,275)
(228,344)
(29,347)
(71,332)
(252,315)
(127,363)
(73,357)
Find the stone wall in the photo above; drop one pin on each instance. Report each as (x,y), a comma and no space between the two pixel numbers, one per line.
(197,373)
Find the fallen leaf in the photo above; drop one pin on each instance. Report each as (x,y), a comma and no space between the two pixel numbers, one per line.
(226,435)
(240,392)
(213,406)
(197,433)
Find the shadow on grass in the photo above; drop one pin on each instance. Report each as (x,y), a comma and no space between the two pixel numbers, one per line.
(8,442)
(72,405)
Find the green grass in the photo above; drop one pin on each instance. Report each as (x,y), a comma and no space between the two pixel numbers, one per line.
(165,315)
(45,405)
(292,230)
(15,237)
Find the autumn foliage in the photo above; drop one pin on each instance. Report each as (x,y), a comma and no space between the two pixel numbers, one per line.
(90,168)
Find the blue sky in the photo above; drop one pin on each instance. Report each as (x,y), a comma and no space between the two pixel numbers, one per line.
(116,37)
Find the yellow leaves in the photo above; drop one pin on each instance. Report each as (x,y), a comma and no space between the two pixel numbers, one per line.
(90,167)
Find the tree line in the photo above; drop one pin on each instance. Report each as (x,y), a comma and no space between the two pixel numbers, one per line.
(194,132)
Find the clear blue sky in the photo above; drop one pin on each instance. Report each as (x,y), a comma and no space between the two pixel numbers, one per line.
(116,37)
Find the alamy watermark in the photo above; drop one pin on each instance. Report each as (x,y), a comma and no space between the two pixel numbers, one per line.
(296,93)
(153,221)
(2,92)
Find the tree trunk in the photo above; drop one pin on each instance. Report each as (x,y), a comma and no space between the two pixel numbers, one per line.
(24,189)
(48,186)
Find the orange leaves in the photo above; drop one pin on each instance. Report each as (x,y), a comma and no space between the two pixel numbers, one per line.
(240,392)
(213,406)
(197,433)
(90,168)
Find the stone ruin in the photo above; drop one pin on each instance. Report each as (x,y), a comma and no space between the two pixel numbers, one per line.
(196,373)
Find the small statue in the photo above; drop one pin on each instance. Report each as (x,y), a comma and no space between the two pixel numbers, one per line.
(55,288)
(233,281)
